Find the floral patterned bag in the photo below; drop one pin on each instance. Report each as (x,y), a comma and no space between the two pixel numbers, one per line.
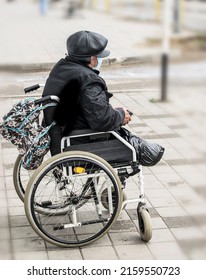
(21,126)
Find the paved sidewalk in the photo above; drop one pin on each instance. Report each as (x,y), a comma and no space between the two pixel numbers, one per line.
(175,192)
(175,188)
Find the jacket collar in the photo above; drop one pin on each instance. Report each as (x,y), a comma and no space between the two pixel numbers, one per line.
(73,60)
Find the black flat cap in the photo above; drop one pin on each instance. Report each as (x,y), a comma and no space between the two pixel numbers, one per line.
(86,44)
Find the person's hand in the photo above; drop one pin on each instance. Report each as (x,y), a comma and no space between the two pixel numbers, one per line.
(127,117)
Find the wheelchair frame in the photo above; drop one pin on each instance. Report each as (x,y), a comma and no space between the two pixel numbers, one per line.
(117,172)
(66,142)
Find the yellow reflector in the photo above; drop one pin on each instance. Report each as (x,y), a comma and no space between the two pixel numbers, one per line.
(79,170)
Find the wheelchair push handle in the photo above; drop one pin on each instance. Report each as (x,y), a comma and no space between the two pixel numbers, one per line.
(52,98)
(31,88)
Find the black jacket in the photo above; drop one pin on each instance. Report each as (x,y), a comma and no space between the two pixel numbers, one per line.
(84,99)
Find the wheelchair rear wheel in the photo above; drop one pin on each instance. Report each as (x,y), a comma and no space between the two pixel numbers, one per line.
(105,200)
(21,176)
(63,199)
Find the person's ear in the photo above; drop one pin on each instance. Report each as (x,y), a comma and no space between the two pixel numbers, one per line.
(93,61)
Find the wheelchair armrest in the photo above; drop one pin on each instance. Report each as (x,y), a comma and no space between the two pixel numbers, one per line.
(80,132)
(87,132)
(122,144)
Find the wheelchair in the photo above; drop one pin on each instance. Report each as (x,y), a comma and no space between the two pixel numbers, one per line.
(74,198)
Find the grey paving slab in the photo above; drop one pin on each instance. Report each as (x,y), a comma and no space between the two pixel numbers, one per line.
(134,252)
(167,250)
(123,226)
(158,223)
(99,253)
(40,255)
(176,211)
(72,254)
(125,238)
(178,222)
(28,244)
(5,249)
(162,235)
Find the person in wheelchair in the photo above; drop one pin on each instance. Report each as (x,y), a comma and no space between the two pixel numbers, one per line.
(84,97)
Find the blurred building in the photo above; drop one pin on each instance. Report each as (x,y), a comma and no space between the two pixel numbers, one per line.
(138,9)
(188,13)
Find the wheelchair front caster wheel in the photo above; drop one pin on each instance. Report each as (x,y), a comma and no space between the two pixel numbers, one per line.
(144,220)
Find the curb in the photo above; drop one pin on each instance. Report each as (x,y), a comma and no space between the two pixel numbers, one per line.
(47,66)
(30,67)
(175,54)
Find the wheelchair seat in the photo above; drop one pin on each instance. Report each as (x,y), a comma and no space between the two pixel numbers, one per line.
(108,145)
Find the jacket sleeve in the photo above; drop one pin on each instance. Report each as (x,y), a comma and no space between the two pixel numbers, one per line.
(99,114)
